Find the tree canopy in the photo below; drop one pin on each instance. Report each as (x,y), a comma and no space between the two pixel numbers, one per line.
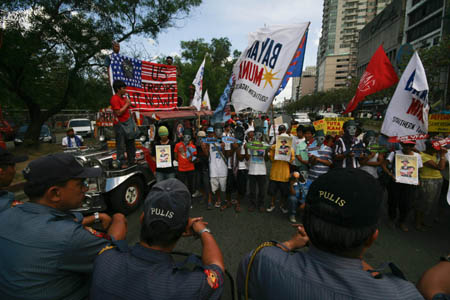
(51,50)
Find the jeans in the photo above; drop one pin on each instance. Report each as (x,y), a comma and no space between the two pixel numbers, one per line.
(294,203)
(188,179)
(160,176)
(122,143)
(257,182)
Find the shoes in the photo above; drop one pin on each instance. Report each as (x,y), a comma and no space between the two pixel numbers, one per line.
(261,209)
(270,209)
(292,219)
(210,206)
(284,210)
(225,206)
(234,201)
(403,227)
(217,205)
(196,194)
(251,208)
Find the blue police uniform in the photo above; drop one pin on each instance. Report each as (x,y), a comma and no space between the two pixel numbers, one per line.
(45,254)
(315,274)
(143,273)
(6,199)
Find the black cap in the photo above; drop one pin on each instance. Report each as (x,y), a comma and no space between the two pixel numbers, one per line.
(169,201)
(281,127)
(7,158)
(353,195)
(57,167)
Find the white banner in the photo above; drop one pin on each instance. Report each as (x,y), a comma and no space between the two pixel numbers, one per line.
(407,113)
(263,64)
(198,83)
(205,103)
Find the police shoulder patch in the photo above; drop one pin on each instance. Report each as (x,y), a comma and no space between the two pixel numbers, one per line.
(106,248)
(212,278)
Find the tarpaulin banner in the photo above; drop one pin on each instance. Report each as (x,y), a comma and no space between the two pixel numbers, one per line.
(263,64)
(439,123)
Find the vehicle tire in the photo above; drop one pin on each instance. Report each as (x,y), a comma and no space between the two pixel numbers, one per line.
(126,197)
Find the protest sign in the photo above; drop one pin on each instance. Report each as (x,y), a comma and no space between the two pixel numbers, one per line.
(406,170)
(263,64)
(439,123)
(331,126)
(150,86)
(163,156)
(407,113)
(283,148)
(320,125)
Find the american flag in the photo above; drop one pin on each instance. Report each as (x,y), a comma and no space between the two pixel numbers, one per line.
(150,86)
(296,67)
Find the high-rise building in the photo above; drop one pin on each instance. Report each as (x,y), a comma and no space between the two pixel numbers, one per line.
(305,85)
(338,47)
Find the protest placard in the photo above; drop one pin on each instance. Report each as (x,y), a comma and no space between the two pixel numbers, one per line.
(406,170)
(283,148)
(163,156)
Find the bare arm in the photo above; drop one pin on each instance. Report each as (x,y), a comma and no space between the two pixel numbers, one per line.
(118,227)
(211,253)
(435,280)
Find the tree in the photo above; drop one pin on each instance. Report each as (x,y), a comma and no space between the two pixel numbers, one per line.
(218,66)
(51,48)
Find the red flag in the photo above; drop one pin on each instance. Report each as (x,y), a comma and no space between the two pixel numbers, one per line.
(379,75)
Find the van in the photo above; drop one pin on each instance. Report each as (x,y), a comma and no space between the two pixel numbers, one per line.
(82,127)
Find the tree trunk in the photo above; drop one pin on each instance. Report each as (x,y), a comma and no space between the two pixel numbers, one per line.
(34,128)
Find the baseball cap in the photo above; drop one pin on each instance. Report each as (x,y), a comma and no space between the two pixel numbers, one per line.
(163,131)
(349,123)
(352,195)
(281,127)
(57,167)
(201,133)
(7,158)
(169,201)
(210,129)
(204,122)
(411,142)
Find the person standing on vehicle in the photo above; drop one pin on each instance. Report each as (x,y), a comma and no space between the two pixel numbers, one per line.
(120,104)
(7,172)
(185,155)
(47,251)
(164,170)
(147,270)
(71,140)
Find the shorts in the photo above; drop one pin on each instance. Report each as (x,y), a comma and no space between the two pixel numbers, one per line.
(275,186)
(217,182)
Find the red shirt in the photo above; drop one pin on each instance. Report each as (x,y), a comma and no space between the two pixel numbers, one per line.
(184,164)
(116,104)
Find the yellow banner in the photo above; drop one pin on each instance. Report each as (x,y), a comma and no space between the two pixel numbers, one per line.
(320,125)
(331,126)
(439,123)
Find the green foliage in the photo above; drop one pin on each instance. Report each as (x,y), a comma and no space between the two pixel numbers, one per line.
(50,53)
(218,66)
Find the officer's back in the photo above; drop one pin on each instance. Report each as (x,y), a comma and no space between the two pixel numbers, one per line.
(147,270)
(341,215)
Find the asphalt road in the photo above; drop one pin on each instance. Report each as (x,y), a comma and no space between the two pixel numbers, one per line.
(238,233)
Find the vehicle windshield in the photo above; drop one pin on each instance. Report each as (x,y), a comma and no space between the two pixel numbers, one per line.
(44,130)
(80,123)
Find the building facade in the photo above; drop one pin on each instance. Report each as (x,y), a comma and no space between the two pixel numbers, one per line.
(338,46)
(305,85)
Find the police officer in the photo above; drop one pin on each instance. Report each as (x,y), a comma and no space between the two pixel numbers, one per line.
(7,172)
(147,270)
(340,218)
(47,252)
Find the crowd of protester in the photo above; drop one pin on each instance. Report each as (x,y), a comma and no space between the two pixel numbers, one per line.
(49,252)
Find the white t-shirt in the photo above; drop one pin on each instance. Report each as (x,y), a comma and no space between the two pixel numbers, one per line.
(217,166)
(257,164)
(241,164)
(65,141)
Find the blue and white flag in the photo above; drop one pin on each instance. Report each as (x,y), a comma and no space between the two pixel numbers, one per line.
(198,84)
(296,67)
(222,112)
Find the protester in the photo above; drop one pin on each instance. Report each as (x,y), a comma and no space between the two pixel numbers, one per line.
(71,140)
(319,157)
(402,195)
(147,270)
(217,165)
(279,177)
(185,154)
(430,184)
(202,169)
(124,126)
(301,152)
(163,171)
(46,251)
(373,160)
(7,172)
(308,133)
(344,156)
(435,282)
(298,188)
(341,223)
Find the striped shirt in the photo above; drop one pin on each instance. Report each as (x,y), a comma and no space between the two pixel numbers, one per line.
(317,275)
(342,148)
(325,153)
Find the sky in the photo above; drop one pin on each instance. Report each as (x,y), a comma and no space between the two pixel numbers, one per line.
(235,19)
